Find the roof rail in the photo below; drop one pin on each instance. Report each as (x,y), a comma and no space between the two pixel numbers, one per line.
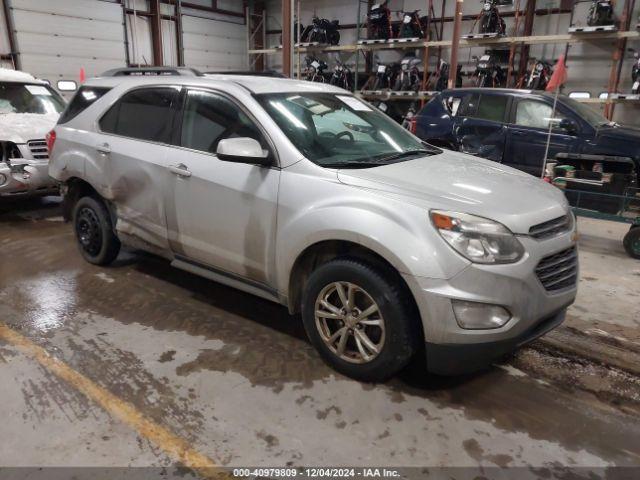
(152,71)
(266,73)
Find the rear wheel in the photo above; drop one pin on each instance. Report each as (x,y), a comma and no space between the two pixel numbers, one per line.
(361,322)
(631,242)
(94,231)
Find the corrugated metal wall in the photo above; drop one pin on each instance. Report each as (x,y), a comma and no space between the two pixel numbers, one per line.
(55,39)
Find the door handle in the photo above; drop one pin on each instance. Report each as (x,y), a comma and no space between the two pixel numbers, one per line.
(180,170)
(103,148)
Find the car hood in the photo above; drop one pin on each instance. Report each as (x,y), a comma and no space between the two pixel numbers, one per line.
(462,183)
(621,132)
(22,127)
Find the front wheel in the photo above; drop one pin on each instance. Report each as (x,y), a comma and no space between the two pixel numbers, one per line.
(94,232)
(631,242)
(361,322)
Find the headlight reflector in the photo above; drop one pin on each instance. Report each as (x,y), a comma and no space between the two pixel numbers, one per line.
(476,316)
(477,239)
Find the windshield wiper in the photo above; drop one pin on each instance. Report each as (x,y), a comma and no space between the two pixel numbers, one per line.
(408,153)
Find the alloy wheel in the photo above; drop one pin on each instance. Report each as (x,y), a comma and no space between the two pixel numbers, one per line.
(349,322)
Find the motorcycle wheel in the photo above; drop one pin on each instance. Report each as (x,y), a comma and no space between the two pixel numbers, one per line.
(535,84)
(486,25)
(334,39)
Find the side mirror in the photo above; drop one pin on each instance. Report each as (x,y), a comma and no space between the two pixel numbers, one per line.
(243,150)
(568,125)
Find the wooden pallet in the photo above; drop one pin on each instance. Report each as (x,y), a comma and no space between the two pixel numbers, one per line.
(480,36)
(594,29)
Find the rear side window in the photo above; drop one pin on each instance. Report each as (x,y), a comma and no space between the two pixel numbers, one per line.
(492,107)
(83,98)
(469,105)
(145,114)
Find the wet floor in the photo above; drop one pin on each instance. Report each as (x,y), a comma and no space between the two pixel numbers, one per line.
(234,377)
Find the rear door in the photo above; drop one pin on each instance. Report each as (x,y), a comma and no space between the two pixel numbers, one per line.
(130,160)
(528,134)
(480,125)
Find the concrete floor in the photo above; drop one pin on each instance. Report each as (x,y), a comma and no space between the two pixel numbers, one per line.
(234,377)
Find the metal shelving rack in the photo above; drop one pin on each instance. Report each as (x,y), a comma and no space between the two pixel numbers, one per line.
(621,36)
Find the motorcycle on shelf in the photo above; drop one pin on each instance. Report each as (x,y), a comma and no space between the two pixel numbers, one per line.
(488,73)
(490,19)
(411,26)
(379,21)
(385,75)
(635,72)
(408,121)
(342,76)
(408,78)
(442,76)
(315,70)
(539,76)
(322,31)
(600,13)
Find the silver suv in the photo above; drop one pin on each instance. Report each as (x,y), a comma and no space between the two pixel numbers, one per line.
(305,195)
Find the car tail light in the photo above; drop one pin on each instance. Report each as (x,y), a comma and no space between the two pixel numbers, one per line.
(51,140)
(413,125)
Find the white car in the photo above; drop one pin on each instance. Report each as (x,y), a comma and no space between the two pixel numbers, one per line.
(29,108)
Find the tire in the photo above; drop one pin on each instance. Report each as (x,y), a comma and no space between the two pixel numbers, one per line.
(396,342)
(631,242)
(94,231)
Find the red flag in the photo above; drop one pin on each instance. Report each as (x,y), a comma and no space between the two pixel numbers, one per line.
(559,75)
(83,76)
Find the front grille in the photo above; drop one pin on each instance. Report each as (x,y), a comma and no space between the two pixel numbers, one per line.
(551,228)
(559,271)
(38,149)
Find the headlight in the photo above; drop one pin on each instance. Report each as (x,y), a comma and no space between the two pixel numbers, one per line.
(478,239)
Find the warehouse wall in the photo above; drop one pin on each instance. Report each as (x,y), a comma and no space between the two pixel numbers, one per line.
(589,63)
(55,39)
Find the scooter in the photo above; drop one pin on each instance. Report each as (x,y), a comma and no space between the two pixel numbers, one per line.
(379,21)
(539,76)
(408,77)
(488,73)
(315,69)
(411,25)
(323,31)
(341,76)
(490,19)
(600,13)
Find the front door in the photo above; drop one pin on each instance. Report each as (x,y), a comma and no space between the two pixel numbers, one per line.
(529,133)
(480,125)
(221,214)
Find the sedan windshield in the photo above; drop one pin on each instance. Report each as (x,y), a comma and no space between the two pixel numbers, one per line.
(29,98)
(340,131)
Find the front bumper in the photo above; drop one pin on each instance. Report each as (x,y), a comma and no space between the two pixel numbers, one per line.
(26,177)
(534,310)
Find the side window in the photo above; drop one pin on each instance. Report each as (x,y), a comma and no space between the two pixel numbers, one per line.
(469,105)
(492,107)
(452,104)
(143,113)
(83,99)
(209,118)
(535,114)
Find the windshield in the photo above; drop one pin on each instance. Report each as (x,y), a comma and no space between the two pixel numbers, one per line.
(29,98)
(340,131)
(593,117)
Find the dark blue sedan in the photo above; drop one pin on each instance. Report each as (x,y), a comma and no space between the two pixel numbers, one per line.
(511,127)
